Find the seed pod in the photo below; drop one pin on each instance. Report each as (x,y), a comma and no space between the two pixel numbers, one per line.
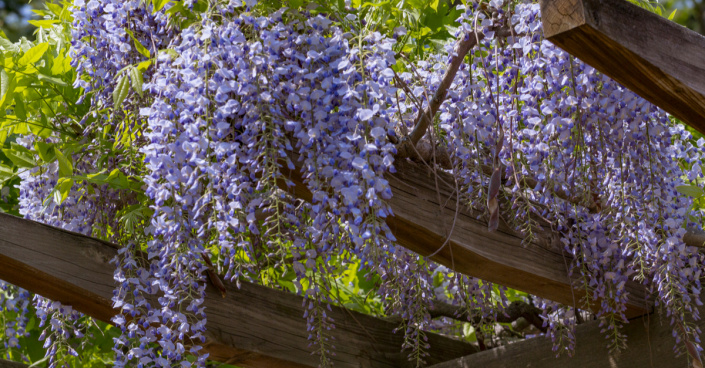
(495,182)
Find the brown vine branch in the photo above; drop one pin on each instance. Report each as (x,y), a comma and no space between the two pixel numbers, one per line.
(425,116)
(513,312)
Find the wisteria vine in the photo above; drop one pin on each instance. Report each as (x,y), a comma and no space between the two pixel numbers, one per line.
(234,114)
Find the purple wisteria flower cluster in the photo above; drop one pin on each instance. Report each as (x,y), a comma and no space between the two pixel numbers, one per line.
(245,99)
(15,300)
(105,38)
(603,165)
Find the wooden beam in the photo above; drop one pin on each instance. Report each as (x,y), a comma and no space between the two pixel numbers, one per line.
(650,344)
(253,326)
(424,214)
(9,364)
(658,59)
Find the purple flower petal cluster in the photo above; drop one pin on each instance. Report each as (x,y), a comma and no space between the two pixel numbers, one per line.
(105,35)
(17,300)
(242,102)
(64,323)
(581,155)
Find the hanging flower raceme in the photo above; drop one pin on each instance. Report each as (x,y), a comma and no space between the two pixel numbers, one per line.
(581,154)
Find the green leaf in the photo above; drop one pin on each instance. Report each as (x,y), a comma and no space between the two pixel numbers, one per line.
(8,45)
(20,109)
(55,8)
(45,23)
(137,81)
(138,45)
(113,174)
(144,65)
(158,5)
(5,80)
(6,173)
(20,156)
(62,189)
(49,79)
(375,5)
(65,165)
(7,87)
(434,5)
(33,55)
(690,191)
(41,128)
(673,14)
(467,329)
(121,90)
(61,65)
(3,135)
(171,52)
(45,151)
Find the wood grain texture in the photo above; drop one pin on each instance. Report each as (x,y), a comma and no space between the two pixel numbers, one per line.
(423,217)
(253,326)
(658,59)
(422,226)
(650,345)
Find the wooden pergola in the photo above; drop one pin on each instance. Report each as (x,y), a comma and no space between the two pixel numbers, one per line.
(255,326)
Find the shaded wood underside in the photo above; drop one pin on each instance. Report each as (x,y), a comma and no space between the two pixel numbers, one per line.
(253,326)
(9,364)
(650,345)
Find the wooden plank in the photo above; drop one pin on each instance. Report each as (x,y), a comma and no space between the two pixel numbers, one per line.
(424,214)
(650,344)
(658,59)
(9,364)
(253,326)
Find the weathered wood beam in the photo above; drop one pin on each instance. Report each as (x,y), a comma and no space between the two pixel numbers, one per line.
(253,326)
(650,344)
(658,59)
(424,205)
(421,224)
(9,364)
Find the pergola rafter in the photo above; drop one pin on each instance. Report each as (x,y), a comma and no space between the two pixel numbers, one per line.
(253,326)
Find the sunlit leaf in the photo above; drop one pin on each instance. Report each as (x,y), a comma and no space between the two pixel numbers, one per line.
(33,55)
(20,156)
(65,165)
(137,81)
(120,92)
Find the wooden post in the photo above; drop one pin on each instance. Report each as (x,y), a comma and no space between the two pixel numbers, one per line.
(658,59)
